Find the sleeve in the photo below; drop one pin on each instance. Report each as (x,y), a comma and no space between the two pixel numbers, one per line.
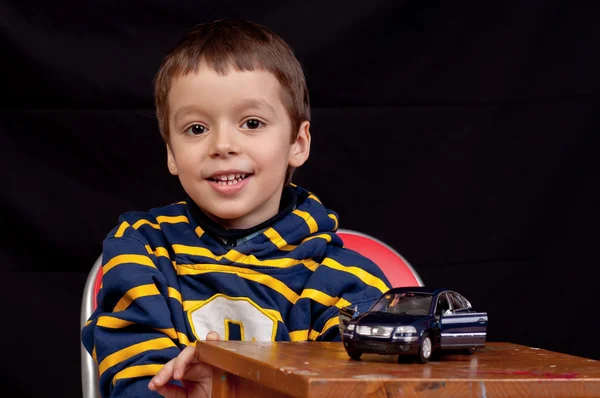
(344,278)
(131,334)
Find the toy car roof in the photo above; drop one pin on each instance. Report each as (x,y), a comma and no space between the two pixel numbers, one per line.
(418,289)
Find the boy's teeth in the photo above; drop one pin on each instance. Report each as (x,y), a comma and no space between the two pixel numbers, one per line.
(227,180)
(230,177)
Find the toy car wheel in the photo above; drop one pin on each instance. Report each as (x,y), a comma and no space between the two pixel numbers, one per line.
(355,355)
(425,349)
(470,350)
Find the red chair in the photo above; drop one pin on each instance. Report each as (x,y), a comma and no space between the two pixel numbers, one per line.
(398,271)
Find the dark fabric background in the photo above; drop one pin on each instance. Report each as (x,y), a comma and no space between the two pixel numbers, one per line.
(463,134)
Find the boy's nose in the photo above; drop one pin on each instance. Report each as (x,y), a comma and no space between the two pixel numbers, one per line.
(224,143)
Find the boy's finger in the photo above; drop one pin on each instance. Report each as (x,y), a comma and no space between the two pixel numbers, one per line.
(182,361)
(200,372)
(163,375)
(213,336)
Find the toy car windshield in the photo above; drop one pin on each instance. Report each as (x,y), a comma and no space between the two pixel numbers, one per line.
(404,303)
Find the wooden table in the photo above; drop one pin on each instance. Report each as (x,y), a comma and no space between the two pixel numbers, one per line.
(324,370)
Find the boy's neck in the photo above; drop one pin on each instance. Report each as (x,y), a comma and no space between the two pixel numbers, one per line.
(233,236)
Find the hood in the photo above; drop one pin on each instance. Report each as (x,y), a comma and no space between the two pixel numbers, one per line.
(289,230)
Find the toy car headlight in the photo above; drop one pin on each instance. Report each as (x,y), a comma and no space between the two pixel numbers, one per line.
(351,327)
(405,329)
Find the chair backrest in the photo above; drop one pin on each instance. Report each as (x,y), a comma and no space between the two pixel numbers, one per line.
(397,269)
(89,370)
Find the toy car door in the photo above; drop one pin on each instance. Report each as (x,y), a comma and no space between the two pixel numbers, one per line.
(442,313)
(461,327)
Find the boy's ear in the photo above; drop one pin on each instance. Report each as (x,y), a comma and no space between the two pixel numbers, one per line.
(301,147)
(171,164)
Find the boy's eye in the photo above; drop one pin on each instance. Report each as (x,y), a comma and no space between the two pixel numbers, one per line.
(196,129)
(252,124)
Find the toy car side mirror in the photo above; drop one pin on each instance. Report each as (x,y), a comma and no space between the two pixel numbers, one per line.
(349,312)
(345,315)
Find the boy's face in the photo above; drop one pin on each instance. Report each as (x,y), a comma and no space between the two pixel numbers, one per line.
(230,143)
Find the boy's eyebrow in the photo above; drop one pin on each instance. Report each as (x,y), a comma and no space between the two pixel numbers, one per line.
(246,103)
(185,110)
(254,103)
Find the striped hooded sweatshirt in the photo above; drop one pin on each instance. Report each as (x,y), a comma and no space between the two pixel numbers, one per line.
(168,282)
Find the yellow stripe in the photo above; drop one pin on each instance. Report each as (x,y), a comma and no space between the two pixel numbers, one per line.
(334,218)
(275,284)
(127,258)
(139,223)
(299,335)
(324,299)
(94,354)
(160,220)
(327,237)
(113,323)
(274,313)
(87,323)
(172,219)
(116,323)
(250,259)
(311,265)
(199,231)
(171,332)
(175,335)
(158,252)
(275,238)
(189,304)
(174,294)
(313,334)
(137,371)
(133,350)
(195,251)
(236,257)
(360,273)
(313,197)
(124,225)
(310,221)
(135,293)
(182,337)
(334,321)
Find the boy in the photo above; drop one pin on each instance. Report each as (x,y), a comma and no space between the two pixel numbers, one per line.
(247,255)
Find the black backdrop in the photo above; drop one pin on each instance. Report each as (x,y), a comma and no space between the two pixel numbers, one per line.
(464,135)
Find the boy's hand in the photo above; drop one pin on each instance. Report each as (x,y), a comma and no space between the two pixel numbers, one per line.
(195,376)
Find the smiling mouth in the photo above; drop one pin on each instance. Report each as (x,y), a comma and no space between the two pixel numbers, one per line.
(229,179)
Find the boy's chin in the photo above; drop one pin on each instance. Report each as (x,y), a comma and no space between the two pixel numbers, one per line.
(232,219)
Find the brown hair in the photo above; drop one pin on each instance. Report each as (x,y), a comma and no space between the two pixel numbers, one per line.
(244,45)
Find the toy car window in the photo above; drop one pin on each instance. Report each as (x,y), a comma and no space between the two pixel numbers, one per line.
(457,303)
(442,304)
(464,300)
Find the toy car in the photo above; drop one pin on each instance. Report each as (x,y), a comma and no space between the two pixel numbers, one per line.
(415,321)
